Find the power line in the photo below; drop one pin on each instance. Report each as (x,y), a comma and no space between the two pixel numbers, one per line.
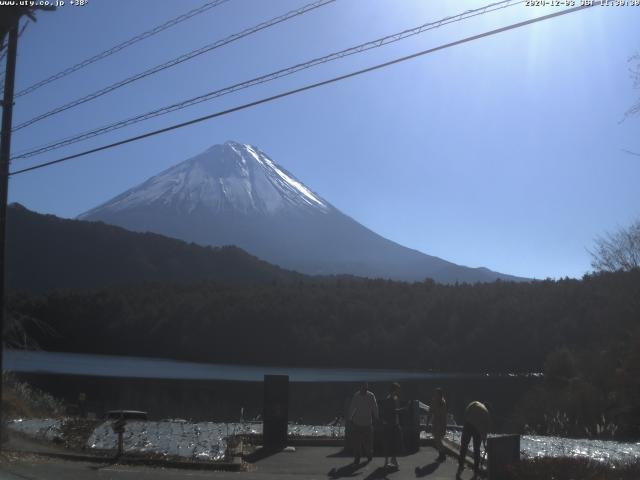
(379,42)
(176,61)
(630,152)
(122,46)
(24,27)
(307,87)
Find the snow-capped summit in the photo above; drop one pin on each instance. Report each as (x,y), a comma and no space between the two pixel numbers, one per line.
(228,177)
(234,194)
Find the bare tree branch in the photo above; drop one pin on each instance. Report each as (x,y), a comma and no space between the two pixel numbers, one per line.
(617,251)
(634,72)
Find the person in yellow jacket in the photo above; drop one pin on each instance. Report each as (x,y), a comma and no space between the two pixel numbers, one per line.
(439,421)
(477,422)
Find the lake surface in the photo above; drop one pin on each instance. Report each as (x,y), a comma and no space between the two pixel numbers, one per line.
(209,392)
(22,361)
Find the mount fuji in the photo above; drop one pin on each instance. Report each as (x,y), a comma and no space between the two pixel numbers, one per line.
(234,194)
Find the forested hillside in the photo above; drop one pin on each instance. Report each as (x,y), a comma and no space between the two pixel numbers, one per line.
(47,252)
(482,327)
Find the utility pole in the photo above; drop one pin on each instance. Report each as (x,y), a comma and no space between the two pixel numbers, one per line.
(5,154)
(9,21)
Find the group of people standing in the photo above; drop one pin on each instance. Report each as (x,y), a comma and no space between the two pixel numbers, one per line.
(364,410)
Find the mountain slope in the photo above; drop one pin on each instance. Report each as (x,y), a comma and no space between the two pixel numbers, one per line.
(46,252)
(235,194)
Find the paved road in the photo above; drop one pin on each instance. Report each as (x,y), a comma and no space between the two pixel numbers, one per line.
(325,463)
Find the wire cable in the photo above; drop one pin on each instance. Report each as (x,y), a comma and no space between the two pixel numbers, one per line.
(379,42)
(307,87)
(176,61)
(121,46)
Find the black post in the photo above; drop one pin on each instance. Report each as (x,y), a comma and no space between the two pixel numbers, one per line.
(275,418)
(5,154)
(502,451)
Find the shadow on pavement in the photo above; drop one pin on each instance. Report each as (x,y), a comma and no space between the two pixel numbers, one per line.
(427,469)
(350,470)
(380,473)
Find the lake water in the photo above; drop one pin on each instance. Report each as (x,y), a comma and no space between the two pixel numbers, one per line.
(22,361)
(208,392)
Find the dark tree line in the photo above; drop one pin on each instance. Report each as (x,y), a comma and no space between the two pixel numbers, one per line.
(498,327)
(345,322)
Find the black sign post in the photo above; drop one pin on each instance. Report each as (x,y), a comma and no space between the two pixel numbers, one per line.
(275,412)
(502,450)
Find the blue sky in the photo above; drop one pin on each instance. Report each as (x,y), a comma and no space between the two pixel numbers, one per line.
(506,152)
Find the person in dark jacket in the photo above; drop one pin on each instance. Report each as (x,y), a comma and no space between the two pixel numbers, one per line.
(390,416)
(477,422)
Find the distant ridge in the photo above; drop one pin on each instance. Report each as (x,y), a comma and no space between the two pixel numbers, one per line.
(47,252)
(235,194)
